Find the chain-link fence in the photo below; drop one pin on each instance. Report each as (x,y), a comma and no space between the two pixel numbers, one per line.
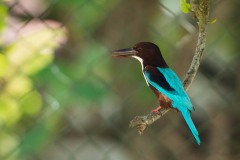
(63,97)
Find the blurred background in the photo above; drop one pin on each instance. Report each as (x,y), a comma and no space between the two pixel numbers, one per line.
(63,97)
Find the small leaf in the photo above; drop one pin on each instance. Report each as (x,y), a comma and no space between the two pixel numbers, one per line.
(10,111)
(19,85)
(213,21)
(3,16)
(3,65)
(9,142)
(31,104)
(185,7)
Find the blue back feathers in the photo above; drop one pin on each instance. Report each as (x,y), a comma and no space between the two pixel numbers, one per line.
(168,83)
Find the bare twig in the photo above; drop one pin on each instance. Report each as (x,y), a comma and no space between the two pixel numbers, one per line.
(200,10)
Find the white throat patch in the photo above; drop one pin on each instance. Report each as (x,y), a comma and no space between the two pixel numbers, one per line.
(141,61)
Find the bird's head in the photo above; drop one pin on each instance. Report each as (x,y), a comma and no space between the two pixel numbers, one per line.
(146,52)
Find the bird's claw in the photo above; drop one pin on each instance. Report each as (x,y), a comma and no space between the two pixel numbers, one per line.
(157,110)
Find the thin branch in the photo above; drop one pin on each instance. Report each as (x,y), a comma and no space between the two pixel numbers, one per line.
(200,10)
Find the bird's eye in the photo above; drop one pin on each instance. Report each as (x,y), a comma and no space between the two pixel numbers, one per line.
(140,49)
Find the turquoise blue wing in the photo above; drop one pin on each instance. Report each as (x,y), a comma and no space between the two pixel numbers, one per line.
(168,83)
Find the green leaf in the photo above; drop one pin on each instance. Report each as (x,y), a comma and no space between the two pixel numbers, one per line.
(213,21)
(3,16)
(185,7)
(31,104)
(34,51)
(8,142)
(9,110)
(19,85)
(3,65)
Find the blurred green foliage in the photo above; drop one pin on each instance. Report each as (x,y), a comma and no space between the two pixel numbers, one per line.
(3,16)
(31,82)
(20,59)
(185,7)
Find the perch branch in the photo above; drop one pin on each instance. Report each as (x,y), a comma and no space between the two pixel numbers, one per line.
(200,10)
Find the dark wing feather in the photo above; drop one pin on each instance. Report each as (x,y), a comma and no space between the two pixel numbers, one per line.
(156,76)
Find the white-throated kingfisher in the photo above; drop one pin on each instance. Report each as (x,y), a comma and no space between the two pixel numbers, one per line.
(162,80)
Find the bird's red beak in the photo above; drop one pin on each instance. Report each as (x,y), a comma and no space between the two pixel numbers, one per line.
(123,53)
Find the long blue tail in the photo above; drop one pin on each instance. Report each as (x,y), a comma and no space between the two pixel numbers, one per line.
(186,115)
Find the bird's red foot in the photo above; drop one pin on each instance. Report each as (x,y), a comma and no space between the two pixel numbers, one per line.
(156,110)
